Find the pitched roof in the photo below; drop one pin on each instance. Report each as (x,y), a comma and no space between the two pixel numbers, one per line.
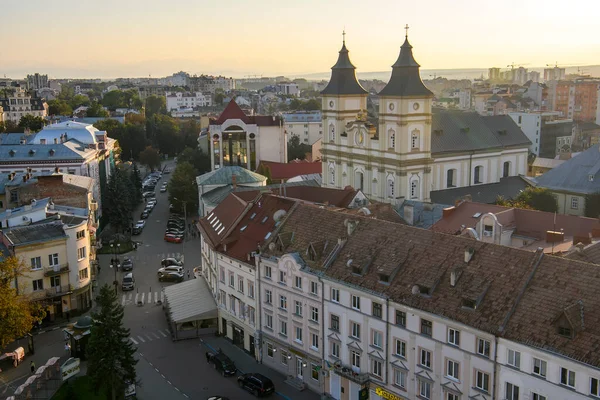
(574,174)
(216,225)
(18,211)
(319,195)
(232,111)
(22,235)
(589,253)
(224,176)
(509,187)
(284,171)
(343,77)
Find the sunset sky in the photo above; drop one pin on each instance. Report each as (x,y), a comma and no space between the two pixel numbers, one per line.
(133,38)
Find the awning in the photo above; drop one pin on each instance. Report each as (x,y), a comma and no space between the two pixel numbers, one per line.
(190,301)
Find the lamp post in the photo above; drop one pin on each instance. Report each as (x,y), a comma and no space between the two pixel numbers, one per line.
(115,263)
(184,227)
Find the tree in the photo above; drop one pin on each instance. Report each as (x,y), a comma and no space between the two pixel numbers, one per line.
(219,96)
(59,107)
(183,188)
(533,198)
(117,203)
(31,122)
(196,157)
(136,184)
(166,135)
(592,205)
(9,127)
(79,100)
(96,110)
(111,361)
(155,105)
(297,150)
(17,312)
(150,157)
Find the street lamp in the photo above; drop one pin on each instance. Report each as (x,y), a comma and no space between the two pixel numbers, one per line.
(114,263)
(185,225)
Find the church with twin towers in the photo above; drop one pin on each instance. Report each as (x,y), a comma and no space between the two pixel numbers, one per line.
(408,149)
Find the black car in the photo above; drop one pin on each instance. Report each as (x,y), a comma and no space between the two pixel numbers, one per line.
(222,363)
(127,264)
(145,214)
(257,384)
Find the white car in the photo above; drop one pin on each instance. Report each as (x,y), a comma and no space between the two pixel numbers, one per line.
(173,268)
(151,204)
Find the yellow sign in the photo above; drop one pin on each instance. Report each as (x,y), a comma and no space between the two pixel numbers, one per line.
(387,395)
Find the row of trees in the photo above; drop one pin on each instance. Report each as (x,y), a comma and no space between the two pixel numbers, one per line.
(27,122)
(122,193)
(532,198)
(183,187)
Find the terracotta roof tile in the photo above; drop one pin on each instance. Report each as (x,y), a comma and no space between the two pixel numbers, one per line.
(320,195)
(284,171)
(216,225)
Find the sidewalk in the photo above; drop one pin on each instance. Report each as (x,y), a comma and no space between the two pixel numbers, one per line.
(246,363)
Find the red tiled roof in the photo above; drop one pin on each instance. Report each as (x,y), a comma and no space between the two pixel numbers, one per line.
(319,195)
(223,216)
(233,111)
(462,214)
(283,171)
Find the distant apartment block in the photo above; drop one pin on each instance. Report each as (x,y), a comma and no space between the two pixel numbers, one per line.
(307,125)
(181,101)
(554,74)
(289,89)
(20,103)
(37,81)
(576,99)
(549,133)
(207,83)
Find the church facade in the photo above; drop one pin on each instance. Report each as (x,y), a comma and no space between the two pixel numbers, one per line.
(409,150)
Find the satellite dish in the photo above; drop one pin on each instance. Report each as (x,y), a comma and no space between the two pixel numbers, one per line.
(272,246)
(278,215)
(349,263)
(416,289)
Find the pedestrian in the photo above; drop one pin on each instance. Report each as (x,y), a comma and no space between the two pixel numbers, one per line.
(188,274)
(207,357)
(32,365)
(67,348)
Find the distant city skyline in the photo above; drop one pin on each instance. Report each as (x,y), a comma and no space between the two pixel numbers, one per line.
(146,38)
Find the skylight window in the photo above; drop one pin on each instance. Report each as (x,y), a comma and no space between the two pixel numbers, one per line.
(477,215)
(220,231)
(252,216)
(243,228)
(218,226)
(268,235)
(264,220)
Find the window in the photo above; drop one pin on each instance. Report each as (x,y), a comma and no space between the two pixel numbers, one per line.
(594,387)
(400,318)
(232,280)
(453,337)
(251,315)
(482,381)
(268,296)
(282,277)
(477,174)
(539,367)
(400,348)
(80,234)
(377,338)
(314,341)
(355,330)
(514,358)
(38,284)
(283,328)
(298,308)
(314,314)
(298,282)
(283,302)
(335,295)
(298,336)
(506,169)
(83,274)
(355,357)
(424,389)
(36,263)
(567,377)
(267,272)
(536,396)
(359,180)
(332,174)
(483,347)
(452,396)
(314,371)
(400,378)
(314,287)
(414,139)
(426,327)
(453,370)
(565,331)
(377,310)
(391,139)
(390,188)
(269,321)
(376,367)
(222,275)
(335,323)
(331,133)
(284,357)
(355,302)
(451,178)
(425,359)
(251,289)
(335,349)
(270,350)
(574,203)
(53,259)
(240,284)
(223,298)
(414,189)
(512,391)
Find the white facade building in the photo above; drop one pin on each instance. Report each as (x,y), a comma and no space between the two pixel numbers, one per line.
(20,104)
(307,125)
(289,89)
(179,101)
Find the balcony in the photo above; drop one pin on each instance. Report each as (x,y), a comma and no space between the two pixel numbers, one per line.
(348,372)
(57,291)
(56,270)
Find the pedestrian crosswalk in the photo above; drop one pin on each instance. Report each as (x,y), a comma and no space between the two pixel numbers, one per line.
(142,298)
(149,336)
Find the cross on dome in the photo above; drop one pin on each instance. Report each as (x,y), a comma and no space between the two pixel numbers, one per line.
(406,27)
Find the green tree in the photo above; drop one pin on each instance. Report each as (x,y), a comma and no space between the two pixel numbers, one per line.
(113,100)
(150,157)
(166,135)
(9,127)
(297,150)
(219,96)
(96,110)
(541,199)
(31,122)
(111,361)
(17,313)
(155,105)
(136,184)
(79,100)
(117,203)
(592,205)
(59,107)
(183,188)
(196,157)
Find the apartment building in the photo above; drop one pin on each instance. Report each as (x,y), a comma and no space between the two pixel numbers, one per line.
(20,104)
(307,125)
(177,101)
(37,81)
(550,133)
(577,100)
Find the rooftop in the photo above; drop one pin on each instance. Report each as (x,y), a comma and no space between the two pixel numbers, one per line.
(580,174)
(224,176)
(285,171)
(35,233)
(222,219)
(40,204)
(233,111)
(510,187)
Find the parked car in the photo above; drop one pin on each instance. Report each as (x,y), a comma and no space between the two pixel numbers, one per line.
(127,264)
(222,363)
(151,204)
(145,214)
(167,171)
(218,398)
(173,225)
(167,262)
(173,238)
(128,282)
(148,194)
(139,227)
(172,268)
(257,384)
(175,231)
(163,189)
(171,277)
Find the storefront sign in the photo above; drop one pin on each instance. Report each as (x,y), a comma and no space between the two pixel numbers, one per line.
(387,395)
(70,368)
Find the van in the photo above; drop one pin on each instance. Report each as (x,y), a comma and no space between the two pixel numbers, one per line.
(128,282)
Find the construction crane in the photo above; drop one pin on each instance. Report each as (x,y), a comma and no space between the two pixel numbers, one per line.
(556,65)
(513,65)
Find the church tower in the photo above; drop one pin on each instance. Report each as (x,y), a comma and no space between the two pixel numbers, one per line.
(405,131)
(342,100)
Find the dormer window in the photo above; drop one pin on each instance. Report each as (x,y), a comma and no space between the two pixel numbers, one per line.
(12,153)
(469,303)
(565,331)
(384,278)
(356,269)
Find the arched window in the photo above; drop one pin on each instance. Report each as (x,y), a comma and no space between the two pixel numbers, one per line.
(451,178)
(506,169)
(392,139)
(359,180)
(374,187)
(331,133)
(332,174)
(390,187)
(477,175)
(414,188)
(415,139)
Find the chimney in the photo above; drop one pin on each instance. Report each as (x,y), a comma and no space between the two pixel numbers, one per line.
(583,239)
(234,181)
(25,178)
(454,276)
(56,170)
(554,237)
(351,225)
(469,254)
(446,212)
